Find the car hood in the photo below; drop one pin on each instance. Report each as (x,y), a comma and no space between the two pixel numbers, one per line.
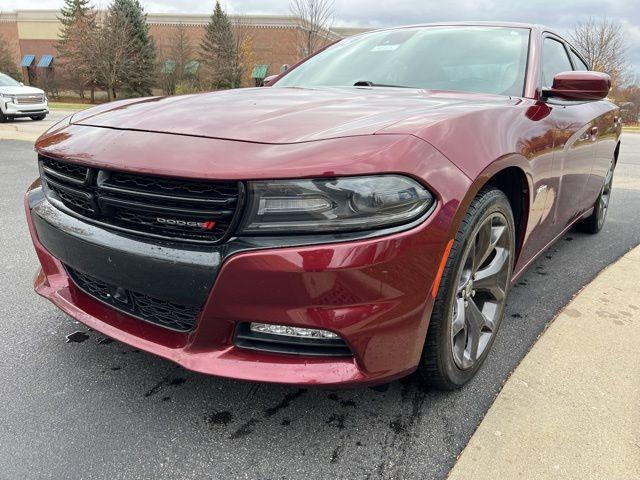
(20,90)
(283,115)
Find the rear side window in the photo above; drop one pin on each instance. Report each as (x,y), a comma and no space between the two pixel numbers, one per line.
(554,61)
(577,62)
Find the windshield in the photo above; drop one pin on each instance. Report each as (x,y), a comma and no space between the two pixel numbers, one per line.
(472,59)
(7,81)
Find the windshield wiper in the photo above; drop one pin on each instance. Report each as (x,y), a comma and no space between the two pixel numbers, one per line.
(368,83)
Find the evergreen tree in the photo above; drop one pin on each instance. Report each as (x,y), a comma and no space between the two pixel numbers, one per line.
(144,59)
(220,51)
(71,10)
(7,64)
(78,23)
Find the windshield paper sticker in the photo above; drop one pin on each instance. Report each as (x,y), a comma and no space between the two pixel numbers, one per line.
(384,48)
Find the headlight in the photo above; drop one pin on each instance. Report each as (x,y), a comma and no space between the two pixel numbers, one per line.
(333,205)
(7,97)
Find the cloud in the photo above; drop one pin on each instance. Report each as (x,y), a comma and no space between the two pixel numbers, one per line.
(561,15)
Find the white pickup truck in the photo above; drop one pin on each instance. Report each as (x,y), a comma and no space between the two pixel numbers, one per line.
(17,100)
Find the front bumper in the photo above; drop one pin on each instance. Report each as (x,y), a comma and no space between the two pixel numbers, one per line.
(15,111)
(375,293)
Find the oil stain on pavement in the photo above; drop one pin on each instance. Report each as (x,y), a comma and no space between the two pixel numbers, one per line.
(77,337)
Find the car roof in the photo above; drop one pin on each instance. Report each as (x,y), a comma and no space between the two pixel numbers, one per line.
(531,26)
(535,27)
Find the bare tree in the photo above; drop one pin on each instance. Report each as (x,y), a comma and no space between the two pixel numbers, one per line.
(243,36)
(77,19)
(140,81)
(175,58)
(629,100)
(118,58)
(112,50)
(7,63)
(603,45)
(314,19)
(181,50)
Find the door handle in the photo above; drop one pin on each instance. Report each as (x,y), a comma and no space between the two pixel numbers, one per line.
(590,134)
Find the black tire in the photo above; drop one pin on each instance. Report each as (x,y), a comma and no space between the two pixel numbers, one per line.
(38,117)
(439,368)
(3,118)
(594,222)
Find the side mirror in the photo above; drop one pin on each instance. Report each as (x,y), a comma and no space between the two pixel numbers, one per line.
(579,85)
(268,81)
(21,84)
(284,68)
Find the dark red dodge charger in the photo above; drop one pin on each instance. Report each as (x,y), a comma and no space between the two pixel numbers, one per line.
(361,218)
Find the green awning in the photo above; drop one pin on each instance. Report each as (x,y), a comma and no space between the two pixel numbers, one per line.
(168,67)
(191,67)
(260,72)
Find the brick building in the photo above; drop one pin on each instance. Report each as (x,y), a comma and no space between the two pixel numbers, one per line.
(32,35)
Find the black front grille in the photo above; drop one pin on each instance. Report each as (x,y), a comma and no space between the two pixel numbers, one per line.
(173,186)
(77,200)
(64,170)
(166,314)
(167,208)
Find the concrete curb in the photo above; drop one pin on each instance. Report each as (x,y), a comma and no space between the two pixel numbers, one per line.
(571,410)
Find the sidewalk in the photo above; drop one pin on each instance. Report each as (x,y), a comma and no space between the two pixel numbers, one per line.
(571,410)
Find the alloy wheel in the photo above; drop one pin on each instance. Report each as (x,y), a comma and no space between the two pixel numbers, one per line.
(605,196)
(481,290)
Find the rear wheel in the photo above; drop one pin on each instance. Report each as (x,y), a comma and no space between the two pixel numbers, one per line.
(470,302)
(594,222)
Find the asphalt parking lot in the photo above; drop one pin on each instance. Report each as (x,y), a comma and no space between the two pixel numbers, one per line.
(99,409)
(26,129)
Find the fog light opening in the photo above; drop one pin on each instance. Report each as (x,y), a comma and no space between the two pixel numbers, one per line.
(283,339)
(296,332)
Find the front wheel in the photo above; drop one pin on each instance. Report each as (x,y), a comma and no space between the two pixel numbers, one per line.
(472,295)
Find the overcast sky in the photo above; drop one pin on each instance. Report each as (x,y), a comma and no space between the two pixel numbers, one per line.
(561,14)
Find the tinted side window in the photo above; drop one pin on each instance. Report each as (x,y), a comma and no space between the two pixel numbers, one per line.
(554,61)
(577,61)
